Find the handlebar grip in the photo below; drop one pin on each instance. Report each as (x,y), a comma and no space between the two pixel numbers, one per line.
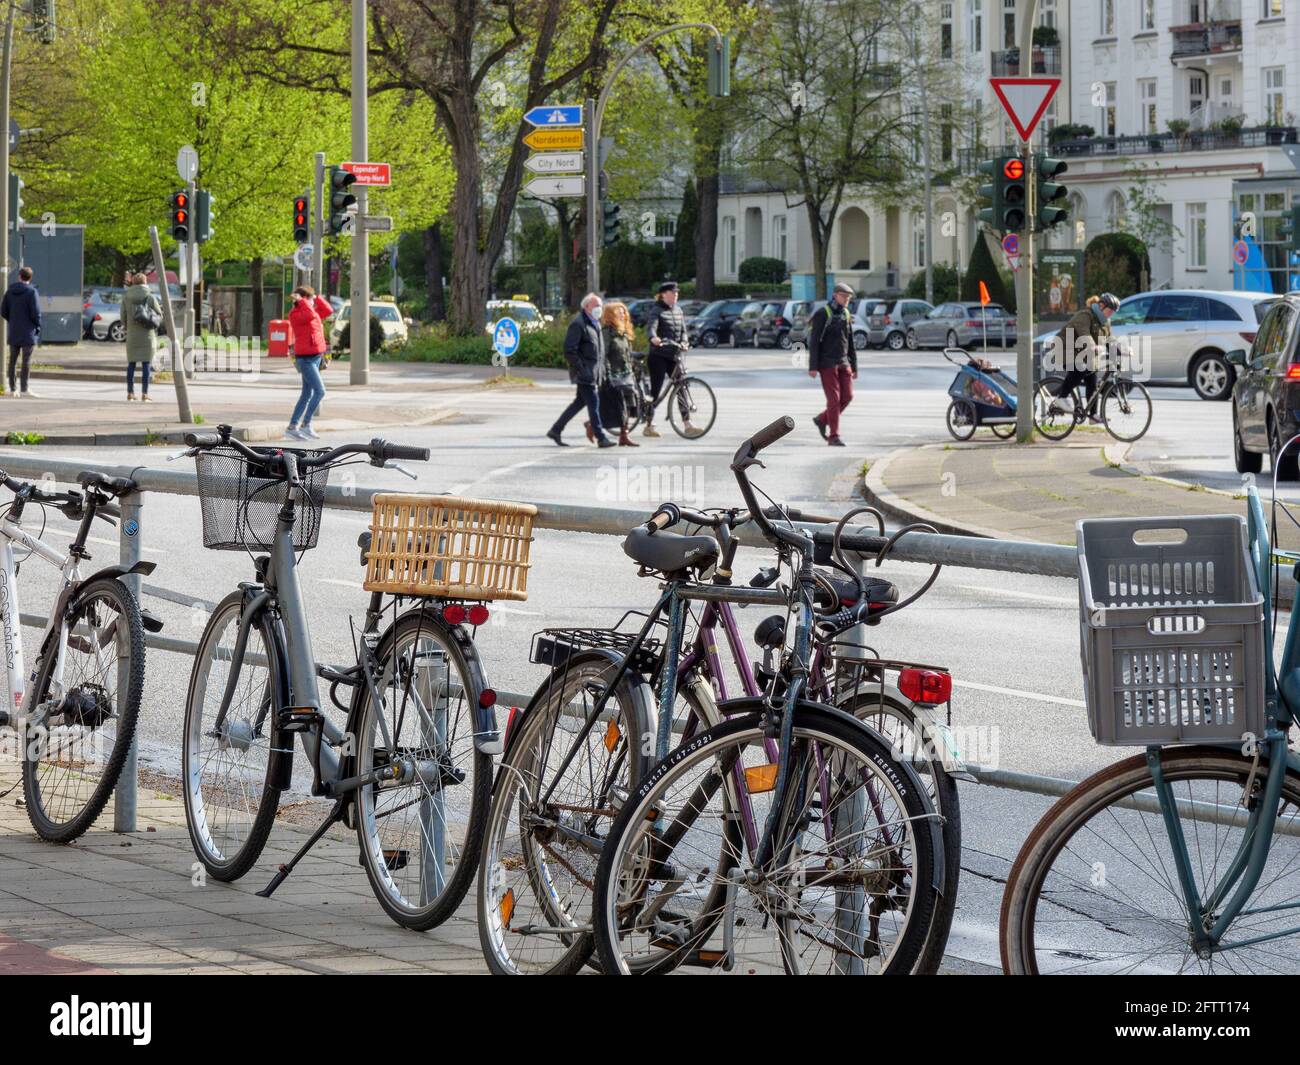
(202,440)
(666,515)
(384,451)
(769,435)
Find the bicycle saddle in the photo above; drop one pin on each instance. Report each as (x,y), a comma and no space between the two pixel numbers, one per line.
(114,486)
(879,591)
(363,542)
(669,552)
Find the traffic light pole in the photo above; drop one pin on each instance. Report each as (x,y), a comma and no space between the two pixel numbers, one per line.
(5,61)
(318,225)
(1025,275)
(359,360)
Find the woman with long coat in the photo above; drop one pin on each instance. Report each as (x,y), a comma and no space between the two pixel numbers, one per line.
(141,340)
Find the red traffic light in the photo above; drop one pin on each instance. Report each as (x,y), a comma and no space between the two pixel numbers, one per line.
(181,217)
(1014,169)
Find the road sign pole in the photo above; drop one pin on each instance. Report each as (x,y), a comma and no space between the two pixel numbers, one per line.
(1025,276)
(359,361)
(318,224)
(593,195)
(5,62)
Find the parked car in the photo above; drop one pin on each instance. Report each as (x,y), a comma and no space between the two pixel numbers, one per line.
(803,310)
(745,330)
(395,327)
(887,322)
(96,303)
(963,325)
(690,308)
(1188,333)
(522,311)
(1266,395)
(639,311)
(774,326)
(712,326)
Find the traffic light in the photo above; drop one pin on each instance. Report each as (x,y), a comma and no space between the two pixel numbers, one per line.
(16,187)
(43,20)
(609,217)
(720,66)
(301,219)
(990,213)
(1051,195)
(180,202)
(203,215)
(1012,194)
(338,183)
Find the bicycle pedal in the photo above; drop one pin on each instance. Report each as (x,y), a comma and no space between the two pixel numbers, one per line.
(300,719)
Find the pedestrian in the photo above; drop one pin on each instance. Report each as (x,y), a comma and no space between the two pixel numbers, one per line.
(142,313)
(1082,342)
(666,328)
(832,357)
(584,351)
(307,317)
(21,308)
(617,332)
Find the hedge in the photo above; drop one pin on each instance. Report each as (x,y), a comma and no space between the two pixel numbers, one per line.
(538,348)
(762,270)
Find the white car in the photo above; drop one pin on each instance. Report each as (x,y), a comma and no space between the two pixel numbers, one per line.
(1187,334)
(522,311)
(395,327)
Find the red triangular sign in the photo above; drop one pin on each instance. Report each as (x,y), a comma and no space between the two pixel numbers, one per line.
(1025,100)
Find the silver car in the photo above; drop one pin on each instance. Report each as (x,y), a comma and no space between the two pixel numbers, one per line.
(963,325)
(887,322)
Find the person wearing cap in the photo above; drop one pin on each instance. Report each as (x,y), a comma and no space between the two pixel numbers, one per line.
(666,328)
(1082,342)
(831,356)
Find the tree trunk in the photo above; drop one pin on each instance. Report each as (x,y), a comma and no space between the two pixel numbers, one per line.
(255,279)
(469,279)
(119,269)
(817,233)
(564,244)
(435,308)
(706,234)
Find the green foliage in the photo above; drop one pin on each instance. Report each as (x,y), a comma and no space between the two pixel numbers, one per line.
(24,439)
(722,290)
(1046,36)
(982,268)
(1113,262)
(628,268)
(761,270)
(1069,131)
(376,335)
(688,220)
(945,284)
(537,348)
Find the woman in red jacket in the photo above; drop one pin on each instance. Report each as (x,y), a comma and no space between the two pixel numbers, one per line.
(307,317)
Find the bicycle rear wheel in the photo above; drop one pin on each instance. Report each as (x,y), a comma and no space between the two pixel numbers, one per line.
(83,722)
(849,889)
(545,828)
(692,408)
(1126,410)
(421,833)
(1095,889)
(1055,416)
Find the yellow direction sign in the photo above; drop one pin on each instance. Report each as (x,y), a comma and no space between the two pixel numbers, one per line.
(554,140)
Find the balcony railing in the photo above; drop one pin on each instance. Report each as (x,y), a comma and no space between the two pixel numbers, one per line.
(1206,38)
(1043,61)
(884,77)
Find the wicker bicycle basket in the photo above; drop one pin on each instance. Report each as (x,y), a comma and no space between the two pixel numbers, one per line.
(449,547)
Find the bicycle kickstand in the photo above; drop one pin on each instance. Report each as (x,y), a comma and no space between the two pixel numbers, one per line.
(282,874)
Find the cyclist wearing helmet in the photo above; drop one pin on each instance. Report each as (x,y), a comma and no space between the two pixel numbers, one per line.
(1085,337)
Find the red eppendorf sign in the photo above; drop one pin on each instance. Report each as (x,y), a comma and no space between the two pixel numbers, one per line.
(373,174)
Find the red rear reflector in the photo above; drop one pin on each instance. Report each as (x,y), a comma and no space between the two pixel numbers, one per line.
(478,614)
(454,614)
(926,686)
(487,697)
(886,319)
(1293,372)
(1249,338)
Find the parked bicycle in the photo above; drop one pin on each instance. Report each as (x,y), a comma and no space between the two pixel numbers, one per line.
(692,408)
(76,711)
(1120,404)
(410,768)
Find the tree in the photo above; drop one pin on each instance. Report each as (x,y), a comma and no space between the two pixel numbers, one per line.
(945,284)
(1115,262)
(1143,217)
(684,234)
(982,268)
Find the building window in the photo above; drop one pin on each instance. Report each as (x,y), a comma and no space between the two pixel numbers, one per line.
(1147,15)
(1274,96)
(976,34)
(1272,8)
(1194,11)
(1196,250)
(1109,120)
(945,133)
(1115,211)
(1148,121)
(1047,13)
(918,244)
(1195,93)
(729,244)
(1107,9)
(780,246)
(1047,123)
(945,31)
(1008,23)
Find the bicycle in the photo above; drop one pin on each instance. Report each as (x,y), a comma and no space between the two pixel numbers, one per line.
(692,408)
(409,771)
(76,712)
(1178,858)
(1125,407)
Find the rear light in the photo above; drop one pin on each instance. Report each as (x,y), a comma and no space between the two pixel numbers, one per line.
(1249,338)
(487,698)
(887,320)
(1293,372)
(779,321)
(454,614)
(97,318)
(478,614)
(928,687)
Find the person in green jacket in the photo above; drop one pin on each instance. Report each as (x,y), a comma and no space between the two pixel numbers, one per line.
(1082,342)
(141,340)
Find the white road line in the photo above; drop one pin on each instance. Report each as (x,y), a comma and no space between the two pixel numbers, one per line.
(1017,693)
(1018,594)
(340,583)
(99,540)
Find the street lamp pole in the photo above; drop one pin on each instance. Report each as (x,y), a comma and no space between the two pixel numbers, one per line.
(359,359)
(595,116)
(1025,276)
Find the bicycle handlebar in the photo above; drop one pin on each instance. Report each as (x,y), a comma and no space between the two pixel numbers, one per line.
(379,450)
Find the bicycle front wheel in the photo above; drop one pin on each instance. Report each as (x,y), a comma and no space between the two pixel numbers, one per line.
(1055,416)
(1126,410)
(421,831)
(84,720)
(692,408)
(1095,888)
(849,887)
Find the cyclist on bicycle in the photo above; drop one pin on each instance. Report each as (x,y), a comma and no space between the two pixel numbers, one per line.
(1082,341)
(666,329)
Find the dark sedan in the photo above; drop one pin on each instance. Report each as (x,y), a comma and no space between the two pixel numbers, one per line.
(712,326)
(1266,397)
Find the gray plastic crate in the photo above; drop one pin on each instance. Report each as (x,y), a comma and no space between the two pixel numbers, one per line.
(1172,630)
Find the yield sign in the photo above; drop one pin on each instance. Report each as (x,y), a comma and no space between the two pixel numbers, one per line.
(1025,100)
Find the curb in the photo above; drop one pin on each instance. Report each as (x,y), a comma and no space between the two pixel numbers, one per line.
(892,505)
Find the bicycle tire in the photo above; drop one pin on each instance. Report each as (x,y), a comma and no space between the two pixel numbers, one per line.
(1106,791)
(700,398)
(38,788)
(1135,394)
(1045,398)
(374,851)
(812,722)
(962,419)
(220,865)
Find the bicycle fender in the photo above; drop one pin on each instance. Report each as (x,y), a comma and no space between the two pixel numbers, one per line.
(142,567)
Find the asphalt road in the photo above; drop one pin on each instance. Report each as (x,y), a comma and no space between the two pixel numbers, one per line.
(1011,641)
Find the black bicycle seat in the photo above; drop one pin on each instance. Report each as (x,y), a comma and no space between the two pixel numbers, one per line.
(669,552)
(878,590)
(363,542)
(114,486)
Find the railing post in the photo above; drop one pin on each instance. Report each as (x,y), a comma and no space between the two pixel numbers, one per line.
(124,798)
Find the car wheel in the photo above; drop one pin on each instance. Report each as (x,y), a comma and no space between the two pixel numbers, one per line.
(1285,467)
(783,341)
(1211,376)
(897,341)
(1245,461)
(708,339)
(860,341)
(952,339)
(117,332)
(910,340)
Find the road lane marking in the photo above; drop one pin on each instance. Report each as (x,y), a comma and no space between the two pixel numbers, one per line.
(1018,693)
(1020,595)
(340,583)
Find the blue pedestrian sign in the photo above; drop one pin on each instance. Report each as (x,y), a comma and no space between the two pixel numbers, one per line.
(505,337)
(555,115)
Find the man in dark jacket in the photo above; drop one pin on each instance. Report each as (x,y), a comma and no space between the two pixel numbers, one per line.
(584,351)
(832,357)
(666,328)
(22,310)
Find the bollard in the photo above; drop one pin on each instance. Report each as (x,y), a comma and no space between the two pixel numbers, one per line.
(124,797)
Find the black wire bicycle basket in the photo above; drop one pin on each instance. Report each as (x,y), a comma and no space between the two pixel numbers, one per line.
(241,501)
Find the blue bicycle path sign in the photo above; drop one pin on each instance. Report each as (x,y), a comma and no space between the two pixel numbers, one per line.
(505,337)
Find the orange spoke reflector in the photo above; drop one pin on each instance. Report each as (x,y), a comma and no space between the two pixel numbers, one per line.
(507,906)
(612,736)
(760,778)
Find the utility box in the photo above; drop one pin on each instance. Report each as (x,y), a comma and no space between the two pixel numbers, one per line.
(56,254)
(279,342)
